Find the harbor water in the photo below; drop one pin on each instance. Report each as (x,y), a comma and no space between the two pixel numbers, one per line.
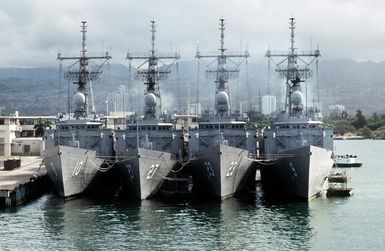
(251,222)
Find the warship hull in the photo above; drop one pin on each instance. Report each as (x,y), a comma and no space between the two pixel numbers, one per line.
(221,171)
(145,171)
(71,169)
(299,173)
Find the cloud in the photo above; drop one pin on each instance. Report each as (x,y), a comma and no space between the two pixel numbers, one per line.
(32,30)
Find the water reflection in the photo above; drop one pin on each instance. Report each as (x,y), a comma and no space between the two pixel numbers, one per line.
(236,223)
(252,222)
(257,223)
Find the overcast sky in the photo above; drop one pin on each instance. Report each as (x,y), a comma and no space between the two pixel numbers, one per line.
(31,30)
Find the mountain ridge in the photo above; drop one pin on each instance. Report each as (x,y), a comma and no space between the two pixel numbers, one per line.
(40,90)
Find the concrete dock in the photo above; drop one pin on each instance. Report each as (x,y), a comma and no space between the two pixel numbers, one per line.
(26,181)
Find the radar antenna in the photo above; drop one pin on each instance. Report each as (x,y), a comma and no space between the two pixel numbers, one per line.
(222,74)
(294,73)
(83,75)
(152,75)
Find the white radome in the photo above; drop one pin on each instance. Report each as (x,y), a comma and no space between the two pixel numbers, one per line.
(222,98)
(296,98)
(79,99)
(150,100)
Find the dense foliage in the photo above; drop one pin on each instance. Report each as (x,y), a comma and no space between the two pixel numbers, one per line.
(373,127)
(345,125)
(41,126)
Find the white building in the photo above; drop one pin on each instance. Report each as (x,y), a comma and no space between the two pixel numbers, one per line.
(17,135)
(269,104)
(186,122)
(9,130)
(336,110)
(244,107)
(195,109)
(117,120)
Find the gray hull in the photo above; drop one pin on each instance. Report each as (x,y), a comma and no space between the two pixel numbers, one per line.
(71,169)
(145,171)
(221,171)
(298,173)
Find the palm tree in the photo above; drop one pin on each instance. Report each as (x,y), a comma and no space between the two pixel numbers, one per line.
(41,126)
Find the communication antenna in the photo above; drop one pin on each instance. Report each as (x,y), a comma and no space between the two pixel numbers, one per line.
(198,76)
(294,73)
(130,96)
(152,74)
(249,88)
(83,74)
(178,88)
(222,74)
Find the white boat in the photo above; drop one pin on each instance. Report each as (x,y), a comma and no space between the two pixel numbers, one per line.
(346,161)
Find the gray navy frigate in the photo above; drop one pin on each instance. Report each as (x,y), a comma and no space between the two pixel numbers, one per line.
(80,146)
(150,147)
(220,146)
(297,142)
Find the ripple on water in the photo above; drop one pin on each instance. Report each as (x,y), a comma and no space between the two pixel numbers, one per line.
(248,223)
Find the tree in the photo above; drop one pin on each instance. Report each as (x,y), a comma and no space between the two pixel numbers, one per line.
(375,116)
(343,127)
(365,132)
(360,121)
(41,126)
(344,114)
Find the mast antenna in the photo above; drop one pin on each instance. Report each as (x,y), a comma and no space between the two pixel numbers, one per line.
(152,74)
(83,75)
(222,74)
(294,73)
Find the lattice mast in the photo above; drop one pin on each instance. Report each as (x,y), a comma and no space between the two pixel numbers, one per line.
(294,73)
(152,75)
(83,75)
(222,74)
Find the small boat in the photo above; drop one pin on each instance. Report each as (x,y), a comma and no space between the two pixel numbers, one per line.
(339,185)
(346,161)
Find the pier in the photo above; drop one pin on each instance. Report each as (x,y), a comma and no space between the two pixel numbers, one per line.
(21,180)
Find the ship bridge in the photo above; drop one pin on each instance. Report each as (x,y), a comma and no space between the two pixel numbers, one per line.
(222,124)
(83,124)
(297,125)
(150,125)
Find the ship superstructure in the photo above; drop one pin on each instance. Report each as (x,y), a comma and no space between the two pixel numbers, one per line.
(150,147)
(298,142)
(219,147)
(80,145)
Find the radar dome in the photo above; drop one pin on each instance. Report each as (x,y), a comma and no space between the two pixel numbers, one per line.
(79,99)
(222,98)
(150,100)
(296,98)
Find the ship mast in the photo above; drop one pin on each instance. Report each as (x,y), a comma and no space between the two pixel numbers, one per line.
(222,74)
(294,73)
(152,75)
(83,75)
